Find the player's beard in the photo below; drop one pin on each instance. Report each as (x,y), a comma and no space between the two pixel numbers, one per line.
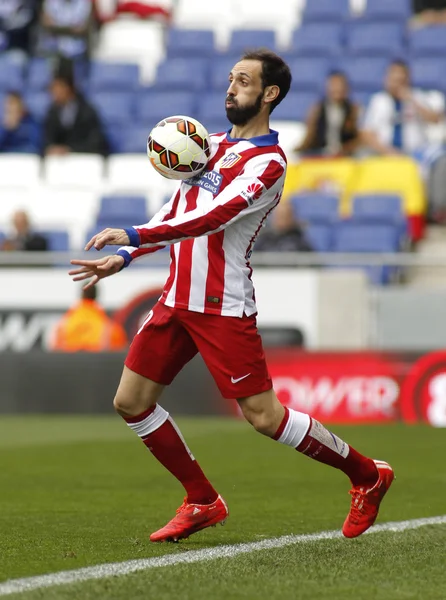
(241,115)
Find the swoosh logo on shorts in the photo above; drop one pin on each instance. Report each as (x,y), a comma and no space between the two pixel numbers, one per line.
(239,378)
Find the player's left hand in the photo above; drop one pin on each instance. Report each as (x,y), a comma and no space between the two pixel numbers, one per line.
(110,237)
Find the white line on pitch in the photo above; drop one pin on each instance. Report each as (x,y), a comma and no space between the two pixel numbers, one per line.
(14,586)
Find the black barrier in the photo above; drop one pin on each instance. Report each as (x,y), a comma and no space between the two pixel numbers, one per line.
(41,382)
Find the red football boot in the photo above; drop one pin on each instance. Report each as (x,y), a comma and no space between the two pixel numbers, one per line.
(191,518)
(366,501)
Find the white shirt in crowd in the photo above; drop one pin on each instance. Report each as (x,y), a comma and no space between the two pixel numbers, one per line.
(381,117)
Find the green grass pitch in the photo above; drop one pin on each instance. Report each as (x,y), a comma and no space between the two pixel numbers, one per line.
(82,491)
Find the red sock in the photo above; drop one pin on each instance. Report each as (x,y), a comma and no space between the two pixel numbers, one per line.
(315,441)
(164,440)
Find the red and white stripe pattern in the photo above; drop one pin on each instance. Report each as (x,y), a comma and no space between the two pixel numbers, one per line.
(212,222)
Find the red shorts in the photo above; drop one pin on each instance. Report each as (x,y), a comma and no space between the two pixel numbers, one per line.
(231,348)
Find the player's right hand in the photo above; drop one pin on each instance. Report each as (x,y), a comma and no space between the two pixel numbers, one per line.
(96,269)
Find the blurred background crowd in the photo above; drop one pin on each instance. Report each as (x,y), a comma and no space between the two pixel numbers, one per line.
(82,83)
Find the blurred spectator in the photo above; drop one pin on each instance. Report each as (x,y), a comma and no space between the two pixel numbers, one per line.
(284,233)
(17,20)
(396,119)
(72,124)
(24,238)
(86,327)
(332,123)
(429,12)
(18,130)
(66,26)
(397,122)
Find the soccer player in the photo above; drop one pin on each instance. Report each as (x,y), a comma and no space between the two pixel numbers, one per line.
(208,306)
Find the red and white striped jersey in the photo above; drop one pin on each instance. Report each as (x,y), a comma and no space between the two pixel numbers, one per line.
(212,222)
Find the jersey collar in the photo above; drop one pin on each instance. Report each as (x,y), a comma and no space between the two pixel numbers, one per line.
(270,139)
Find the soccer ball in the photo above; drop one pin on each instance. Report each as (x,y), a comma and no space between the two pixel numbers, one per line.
(178,147)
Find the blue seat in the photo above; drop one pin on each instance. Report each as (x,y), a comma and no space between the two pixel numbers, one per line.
(315,207)
(427,41)
(38,103)
(385,10)
(350,236)
(39,74)
(380,208)
(217,126)
(212,108)
(127,210)
(190,43)
(115,137)
(365,73)
(11,75)
(429,73)
(133,140)
(326,10)
(246,39)
(114,107)
(183,73)
(152,106)
(361,98)
(219,75)
(295,106)
(58,240)
(376,39)
(320,236)
(317,39)
(114,77)
(309,74)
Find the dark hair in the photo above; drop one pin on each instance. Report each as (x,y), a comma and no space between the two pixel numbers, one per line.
(399,62)
(275,71)
(90,293)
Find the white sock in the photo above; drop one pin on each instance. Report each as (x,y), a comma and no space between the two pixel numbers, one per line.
(295,429)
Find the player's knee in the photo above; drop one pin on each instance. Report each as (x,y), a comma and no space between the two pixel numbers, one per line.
(131,405)
(260,420)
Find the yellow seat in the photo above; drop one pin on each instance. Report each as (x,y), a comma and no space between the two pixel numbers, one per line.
(331,175)
(397,174)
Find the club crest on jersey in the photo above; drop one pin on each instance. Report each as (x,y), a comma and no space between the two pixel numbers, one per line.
(207,180)
(229,161)
(252,192)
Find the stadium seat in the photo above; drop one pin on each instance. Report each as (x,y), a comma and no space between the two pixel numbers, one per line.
(326,11)
(315,207)
(219,75)
(182,74)
(427,41)
(212,108)
(38,103)
(132,41)
(58,240)
(11,75)
(202,14)
(74,170)
(133,174)
(309,74)
(192,43)
(365,73)
(246,39)
(19,170)
(133,140)
(358,237)
(281,16)
(39,74)
(113,77)
(114,107)
(127,209)
(320,236)
(376,39)
(333,176)
(153,106)
(429,73)
(380,208)
(295,106)
(386,10)
(393,175)
(314,39)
